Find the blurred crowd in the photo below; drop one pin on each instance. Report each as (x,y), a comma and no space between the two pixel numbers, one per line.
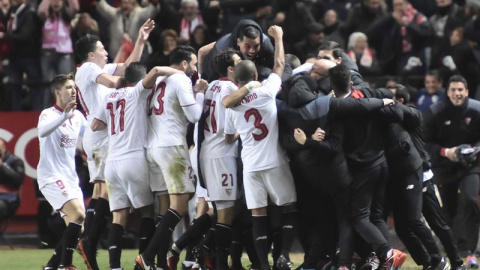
(419,43)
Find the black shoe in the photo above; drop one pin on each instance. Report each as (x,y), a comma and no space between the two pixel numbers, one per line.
(442,265)
(372,262)
(283,264)
(88,253)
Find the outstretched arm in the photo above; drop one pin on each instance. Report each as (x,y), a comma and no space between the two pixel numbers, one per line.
(48,126)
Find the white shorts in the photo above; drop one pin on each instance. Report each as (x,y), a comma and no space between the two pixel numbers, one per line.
(276,183)
(199,190)
(97,152)
(220,176)
(171,168)
(128,184)
(60,192)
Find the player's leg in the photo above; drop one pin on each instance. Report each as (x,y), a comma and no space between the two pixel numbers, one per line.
(223,233)
(281,190)
(115,237)
(175,163)
(74,216)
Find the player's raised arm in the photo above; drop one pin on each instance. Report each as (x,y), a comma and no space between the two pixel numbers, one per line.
(155,72)
(279,65)
(143,34)
(47,126)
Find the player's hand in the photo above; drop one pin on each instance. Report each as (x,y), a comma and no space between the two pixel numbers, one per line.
(318,135)
(200,86)
(275,31)
(146,29)
(300,136)
(69,109)
(387,102)
(451,154)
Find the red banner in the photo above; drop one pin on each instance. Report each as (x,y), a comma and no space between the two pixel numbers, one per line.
(19,130)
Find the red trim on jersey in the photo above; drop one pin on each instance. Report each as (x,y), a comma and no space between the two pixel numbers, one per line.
(189,105)
(99,76)
(58,108)
(82,102)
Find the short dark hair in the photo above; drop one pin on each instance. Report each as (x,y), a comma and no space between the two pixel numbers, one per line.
(401,92)
(135,72)
(337,53)
(244,72)
(434,72)
(292,60)
(340,78)
(224,59)
(181,53)
(59,80)
(329,45)
(249,31)
(457,78)
(85,45)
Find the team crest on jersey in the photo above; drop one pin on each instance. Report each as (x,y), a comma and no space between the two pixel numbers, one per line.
(228,191)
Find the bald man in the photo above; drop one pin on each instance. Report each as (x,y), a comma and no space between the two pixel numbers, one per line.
(12,171)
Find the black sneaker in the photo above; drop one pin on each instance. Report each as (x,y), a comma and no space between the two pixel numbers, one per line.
(442,265)
(283,264)
(372,262)
(88,253)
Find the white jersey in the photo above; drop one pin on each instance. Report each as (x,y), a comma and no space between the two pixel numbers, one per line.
(91,93)
(124,112)
(167,120)
(255,119)
(214,144)
(57,150)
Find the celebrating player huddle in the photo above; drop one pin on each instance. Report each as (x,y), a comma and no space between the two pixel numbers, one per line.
(135,137)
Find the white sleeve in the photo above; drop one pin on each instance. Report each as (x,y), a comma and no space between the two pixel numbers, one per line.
(229,126)
(110,68)
(184,90)
(93,72)
(227,90)
(194,112)
(48,123)
(272,84)
(303,68)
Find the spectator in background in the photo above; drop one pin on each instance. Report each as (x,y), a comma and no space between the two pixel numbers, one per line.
(400,40)
(23,32)
(191,18)
(432,93)
(167,18)
(458,58)
(308,47)
(333,27)
(363,15)
(168,41)
(236,10)
(4,47)
(200,37)
(124,22)
(447,17)
(82,25)
(57,49)
(12,171)
(365,57)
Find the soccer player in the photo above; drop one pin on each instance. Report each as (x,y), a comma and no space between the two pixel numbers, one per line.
(123,115)
(171,105)
(94,78)
(266,173)
(58,130)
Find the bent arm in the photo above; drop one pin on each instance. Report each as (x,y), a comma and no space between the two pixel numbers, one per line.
(98,125)
(194,112)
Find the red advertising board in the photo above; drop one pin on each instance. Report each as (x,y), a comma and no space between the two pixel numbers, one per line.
(19,130)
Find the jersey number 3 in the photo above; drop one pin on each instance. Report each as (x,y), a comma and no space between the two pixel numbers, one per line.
(120,104)
(158,111)
(257,123)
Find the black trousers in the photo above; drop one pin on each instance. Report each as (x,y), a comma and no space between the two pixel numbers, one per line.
(367,198)
(433,214)
(460,205)
(405,196)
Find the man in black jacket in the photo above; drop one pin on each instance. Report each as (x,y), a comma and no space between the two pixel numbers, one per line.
(12,171)
(451,128)
(248,38)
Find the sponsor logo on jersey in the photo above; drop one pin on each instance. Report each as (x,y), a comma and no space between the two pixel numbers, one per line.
(66,142)
(228,191)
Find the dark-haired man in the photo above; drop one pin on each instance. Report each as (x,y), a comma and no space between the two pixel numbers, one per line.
(94,79)
(451,132)
(58,130)
(248,38)
(171,105)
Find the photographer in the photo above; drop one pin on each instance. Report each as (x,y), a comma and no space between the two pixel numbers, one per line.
(452,134)
(12,171)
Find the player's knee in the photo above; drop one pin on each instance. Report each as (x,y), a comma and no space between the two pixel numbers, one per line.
(222,205)
(289,207)
(78,215)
